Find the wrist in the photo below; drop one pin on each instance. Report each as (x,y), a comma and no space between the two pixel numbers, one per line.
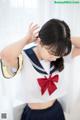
(26,40)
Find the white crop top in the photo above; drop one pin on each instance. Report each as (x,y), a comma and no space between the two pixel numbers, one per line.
(35,85)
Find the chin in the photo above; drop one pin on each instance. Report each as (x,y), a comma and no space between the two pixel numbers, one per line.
(51,60)
(48,60)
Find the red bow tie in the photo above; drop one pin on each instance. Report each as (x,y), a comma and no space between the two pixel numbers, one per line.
(48,83)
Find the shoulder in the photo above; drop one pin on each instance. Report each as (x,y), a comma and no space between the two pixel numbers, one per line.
(27,53)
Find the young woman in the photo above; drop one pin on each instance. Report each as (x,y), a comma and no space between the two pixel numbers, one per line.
(42,63)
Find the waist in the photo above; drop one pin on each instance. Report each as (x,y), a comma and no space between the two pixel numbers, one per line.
(41,105)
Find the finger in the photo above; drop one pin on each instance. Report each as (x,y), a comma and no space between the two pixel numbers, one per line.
(36,35)
(33,25)
(35,28)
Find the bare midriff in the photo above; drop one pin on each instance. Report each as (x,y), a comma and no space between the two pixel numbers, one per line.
(41,105)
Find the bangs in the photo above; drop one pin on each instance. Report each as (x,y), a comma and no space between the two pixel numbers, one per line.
(60,49)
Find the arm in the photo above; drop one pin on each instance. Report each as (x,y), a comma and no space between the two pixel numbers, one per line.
(76,49)
(11,52)
(76,41)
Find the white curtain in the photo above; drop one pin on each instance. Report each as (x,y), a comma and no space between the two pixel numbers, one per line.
(15,16)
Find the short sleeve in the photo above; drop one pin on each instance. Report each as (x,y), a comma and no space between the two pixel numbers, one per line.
(8,72)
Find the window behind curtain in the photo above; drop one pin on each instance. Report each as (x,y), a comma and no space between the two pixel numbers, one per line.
(24,3)
(15,16)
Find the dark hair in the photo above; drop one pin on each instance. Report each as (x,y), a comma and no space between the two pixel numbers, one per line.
(55,34)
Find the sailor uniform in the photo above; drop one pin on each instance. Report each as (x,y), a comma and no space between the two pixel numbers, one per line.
(33,74)
(38,84)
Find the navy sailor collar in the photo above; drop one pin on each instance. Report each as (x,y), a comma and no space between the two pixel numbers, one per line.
(36,63)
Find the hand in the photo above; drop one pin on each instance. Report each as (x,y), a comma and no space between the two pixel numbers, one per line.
(33,31)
